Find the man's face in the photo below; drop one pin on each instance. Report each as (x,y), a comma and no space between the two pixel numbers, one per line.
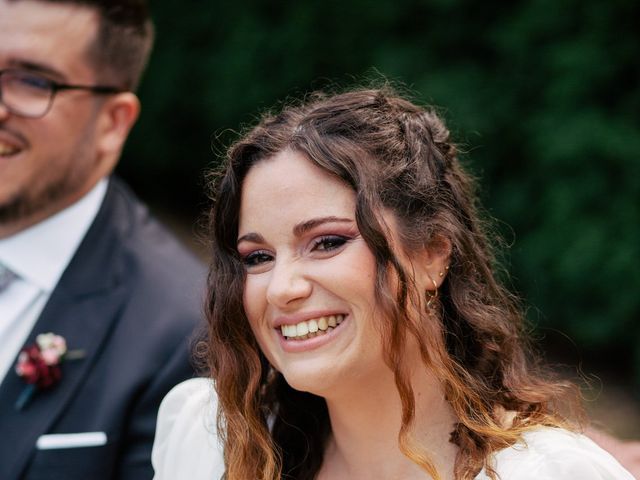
(47,163)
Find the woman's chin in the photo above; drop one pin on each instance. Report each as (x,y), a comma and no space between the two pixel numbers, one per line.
(316,384)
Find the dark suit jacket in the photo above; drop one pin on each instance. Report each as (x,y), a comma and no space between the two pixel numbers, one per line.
(130,298)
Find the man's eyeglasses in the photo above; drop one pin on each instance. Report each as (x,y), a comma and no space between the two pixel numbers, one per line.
(31,95)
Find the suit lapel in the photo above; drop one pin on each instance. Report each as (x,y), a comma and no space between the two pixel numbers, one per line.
(83,309)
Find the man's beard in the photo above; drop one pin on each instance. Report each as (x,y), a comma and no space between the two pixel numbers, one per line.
(70,176)
(21,205)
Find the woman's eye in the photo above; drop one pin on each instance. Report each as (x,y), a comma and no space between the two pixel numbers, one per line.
(329,242)
(256,258)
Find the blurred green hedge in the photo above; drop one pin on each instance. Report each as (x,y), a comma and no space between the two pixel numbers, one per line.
(542,94)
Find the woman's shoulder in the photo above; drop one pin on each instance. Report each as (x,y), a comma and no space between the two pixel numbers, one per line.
(188,397)
(186,444)
(548,453)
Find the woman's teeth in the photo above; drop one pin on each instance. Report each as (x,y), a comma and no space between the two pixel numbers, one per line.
(311,328)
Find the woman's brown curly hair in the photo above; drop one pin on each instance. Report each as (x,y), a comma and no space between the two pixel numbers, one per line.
(395,156)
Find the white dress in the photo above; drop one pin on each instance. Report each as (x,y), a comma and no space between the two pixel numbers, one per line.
(186,446)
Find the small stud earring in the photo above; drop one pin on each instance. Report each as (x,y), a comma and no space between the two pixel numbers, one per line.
(446,269)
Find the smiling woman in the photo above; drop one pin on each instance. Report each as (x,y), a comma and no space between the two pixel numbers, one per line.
(357,328)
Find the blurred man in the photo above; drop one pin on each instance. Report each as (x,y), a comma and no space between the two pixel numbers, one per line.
(79,255)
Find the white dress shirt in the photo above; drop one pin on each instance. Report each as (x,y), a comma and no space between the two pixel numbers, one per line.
(39,255)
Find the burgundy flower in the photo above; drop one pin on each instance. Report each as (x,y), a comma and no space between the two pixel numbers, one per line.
(33,368)
(39,364)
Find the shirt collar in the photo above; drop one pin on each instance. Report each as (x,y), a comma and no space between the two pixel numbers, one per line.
(41,253)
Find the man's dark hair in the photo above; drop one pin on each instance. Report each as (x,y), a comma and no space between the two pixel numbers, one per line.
(123,42)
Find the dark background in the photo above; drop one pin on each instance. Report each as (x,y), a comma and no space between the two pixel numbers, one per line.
(542,95)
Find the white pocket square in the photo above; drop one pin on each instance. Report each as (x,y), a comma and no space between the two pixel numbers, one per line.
(71,440)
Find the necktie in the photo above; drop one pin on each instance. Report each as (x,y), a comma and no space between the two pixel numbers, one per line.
(6,277)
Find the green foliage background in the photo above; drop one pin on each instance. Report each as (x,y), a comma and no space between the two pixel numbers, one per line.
(542,94)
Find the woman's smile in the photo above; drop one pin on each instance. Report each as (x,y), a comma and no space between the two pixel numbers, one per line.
(311,334)
(316,327)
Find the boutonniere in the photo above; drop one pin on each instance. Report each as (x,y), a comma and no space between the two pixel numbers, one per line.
(39,364)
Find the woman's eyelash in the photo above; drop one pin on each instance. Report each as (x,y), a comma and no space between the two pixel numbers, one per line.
(256,258)
(326,243)
(329,242)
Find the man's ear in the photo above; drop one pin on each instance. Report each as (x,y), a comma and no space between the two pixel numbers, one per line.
(119,113)
(432,262)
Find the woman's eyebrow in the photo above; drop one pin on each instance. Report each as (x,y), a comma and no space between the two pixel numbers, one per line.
(299,230)
(251,237)
(303,227)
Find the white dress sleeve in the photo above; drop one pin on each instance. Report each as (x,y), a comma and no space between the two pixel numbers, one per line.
(556,454)
(186,444)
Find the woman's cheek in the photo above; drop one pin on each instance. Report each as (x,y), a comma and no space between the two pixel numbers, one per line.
(254,302)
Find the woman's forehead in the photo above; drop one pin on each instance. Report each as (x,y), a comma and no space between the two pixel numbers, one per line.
(288,189)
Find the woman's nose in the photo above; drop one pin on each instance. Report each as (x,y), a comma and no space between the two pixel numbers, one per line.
(287,284)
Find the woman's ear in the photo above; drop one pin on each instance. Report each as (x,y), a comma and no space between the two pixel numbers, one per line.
(432,263)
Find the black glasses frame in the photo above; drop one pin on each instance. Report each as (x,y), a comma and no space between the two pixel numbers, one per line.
(55,87)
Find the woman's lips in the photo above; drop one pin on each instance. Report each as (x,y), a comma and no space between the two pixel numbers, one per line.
(312,327)
(294,343)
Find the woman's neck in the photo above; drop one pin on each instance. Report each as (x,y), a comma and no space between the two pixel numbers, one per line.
(365,422)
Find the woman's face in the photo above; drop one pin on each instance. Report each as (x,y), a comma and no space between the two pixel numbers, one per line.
(309,290)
